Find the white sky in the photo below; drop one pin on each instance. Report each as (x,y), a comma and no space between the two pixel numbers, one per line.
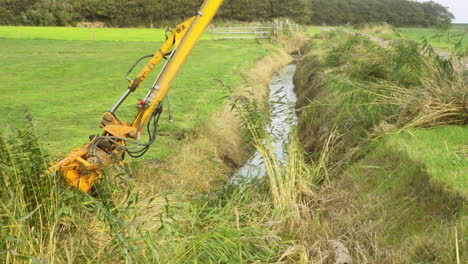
(459,8)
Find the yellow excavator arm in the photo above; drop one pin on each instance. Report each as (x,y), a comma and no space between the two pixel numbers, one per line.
(84,166)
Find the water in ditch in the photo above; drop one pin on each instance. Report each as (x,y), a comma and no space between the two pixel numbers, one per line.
(282,103)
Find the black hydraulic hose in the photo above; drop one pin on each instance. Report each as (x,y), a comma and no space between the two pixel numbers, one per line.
(137,62)
(151,135)
(142,58)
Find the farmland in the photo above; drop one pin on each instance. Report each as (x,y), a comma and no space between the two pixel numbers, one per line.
(442,39)
(98,34)
(68,82)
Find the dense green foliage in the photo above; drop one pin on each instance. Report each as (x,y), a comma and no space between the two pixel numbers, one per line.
(127,13)
(395,12)
(140,12)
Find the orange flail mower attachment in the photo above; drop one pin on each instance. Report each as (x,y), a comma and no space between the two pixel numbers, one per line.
(82,169)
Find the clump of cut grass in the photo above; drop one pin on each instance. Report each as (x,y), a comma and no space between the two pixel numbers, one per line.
(235,226)
(295,43)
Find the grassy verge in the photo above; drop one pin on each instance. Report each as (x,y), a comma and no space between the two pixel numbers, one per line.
(314,30)
(438,39)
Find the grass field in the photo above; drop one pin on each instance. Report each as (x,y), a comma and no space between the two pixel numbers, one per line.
(436,38)
(68,84)
(314,30)
(71,33)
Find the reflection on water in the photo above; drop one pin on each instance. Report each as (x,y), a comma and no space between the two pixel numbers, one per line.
(283,119)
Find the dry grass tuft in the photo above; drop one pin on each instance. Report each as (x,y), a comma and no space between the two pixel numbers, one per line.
(436,102)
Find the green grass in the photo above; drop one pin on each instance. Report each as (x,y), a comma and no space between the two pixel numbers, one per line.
(69,84)
(314,30)
(443,40)
(98,34)
(407,217)
(440,150)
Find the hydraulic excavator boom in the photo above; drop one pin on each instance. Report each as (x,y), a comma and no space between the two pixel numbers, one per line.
(84,166)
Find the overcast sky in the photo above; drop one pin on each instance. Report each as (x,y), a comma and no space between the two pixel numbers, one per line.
(459,9)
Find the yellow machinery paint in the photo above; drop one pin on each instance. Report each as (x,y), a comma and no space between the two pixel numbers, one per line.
(84,166)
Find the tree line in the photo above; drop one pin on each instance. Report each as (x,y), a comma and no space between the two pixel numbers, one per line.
(152,13)
(395,12)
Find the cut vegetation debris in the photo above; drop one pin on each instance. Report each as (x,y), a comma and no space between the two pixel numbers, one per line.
(384,89)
